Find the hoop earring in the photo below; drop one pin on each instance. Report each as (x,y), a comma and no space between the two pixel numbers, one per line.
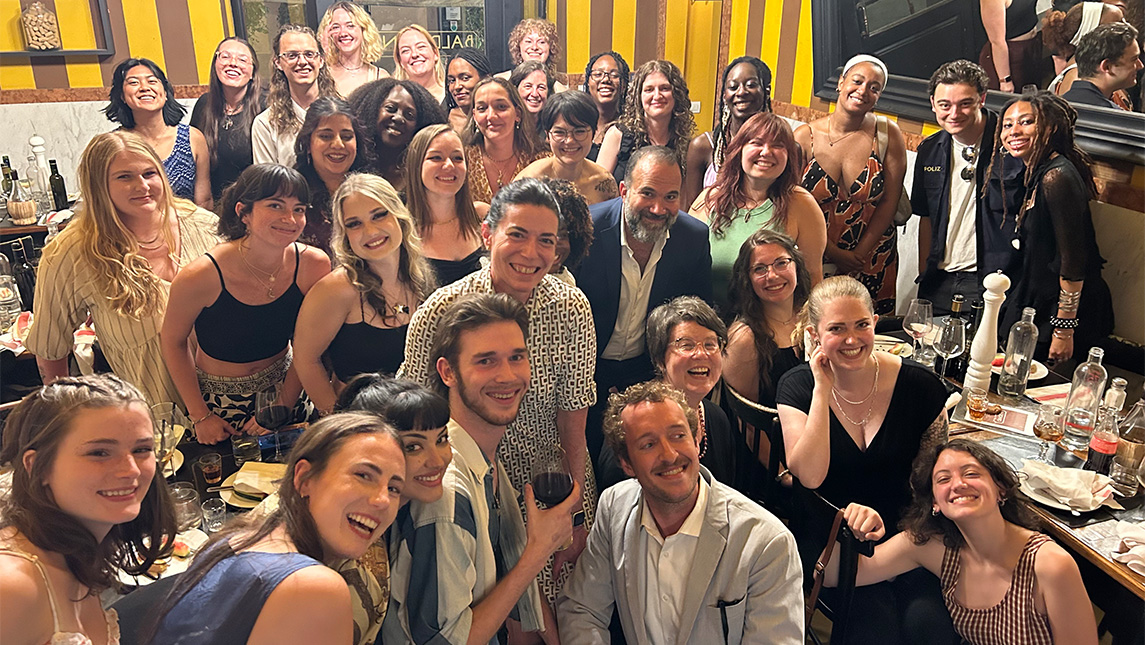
(934,512)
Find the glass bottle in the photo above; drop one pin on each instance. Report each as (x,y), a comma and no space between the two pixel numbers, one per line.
(1019,355)
(1103,442)
(1130,452)
(59,191)
(24,273)
(21,206)
(1084,400)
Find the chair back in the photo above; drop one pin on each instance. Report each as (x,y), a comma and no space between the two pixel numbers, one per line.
(850,548)
(754,422)
(138,608)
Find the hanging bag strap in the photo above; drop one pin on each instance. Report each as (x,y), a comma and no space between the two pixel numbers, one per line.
(821,568)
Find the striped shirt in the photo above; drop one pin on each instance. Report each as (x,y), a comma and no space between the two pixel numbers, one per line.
(66,293)
(1014,620)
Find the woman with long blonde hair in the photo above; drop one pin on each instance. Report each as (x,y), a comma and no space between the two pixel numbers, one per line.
(116,260)
(358,314)
(418,59)
(350,43)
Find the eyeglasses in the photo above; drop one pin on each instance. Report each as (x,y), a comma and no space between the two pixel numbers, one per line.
(688,346)
(578,134)
(292,57)
(777,266)
(600,75)
(227,57)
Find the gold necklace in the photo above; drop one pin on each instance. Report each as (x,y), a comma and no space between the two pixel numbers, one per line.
(251,269)
(867,417)
(830,124)
(498,167)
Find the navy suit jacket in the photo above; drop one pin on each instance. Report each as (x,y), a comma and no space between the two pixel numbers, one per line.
(685,267)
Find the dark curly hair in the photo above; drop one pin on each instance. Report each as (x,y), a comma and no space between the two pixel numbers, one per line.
(625,77)
(576,220)
(682,123)
(260,181)
(117,110)
(919,519)
(324,107)
(720,132)
(367,101)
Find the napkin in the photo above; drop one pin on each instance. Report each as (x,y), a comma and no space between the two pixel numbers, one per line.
(1081,490)
(256,479)
(1131,549)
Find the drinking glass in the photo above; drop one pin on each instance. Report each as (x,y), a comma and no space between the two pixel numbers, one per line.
(951,341)
(170,423)
(551,480)
(187,512)
(212,466)
(917,322)
(976,403)
(214,515)
(271,414)
(1049,428)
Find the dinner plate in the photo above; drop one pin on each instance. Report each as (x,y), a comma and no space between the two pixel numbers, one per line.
(892,345)
(173,464)
(194,539)
(1042,498)
(229,496)
(1038,371)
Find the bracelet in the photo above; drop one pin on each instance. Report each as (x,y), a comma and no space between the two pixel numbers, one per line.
(200,419)
(1008,78)
(1063,323)
(1068,301)
(1063,334)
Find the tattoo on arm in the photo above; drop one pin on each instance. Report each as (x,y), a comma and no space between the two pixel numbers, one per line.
(607,188)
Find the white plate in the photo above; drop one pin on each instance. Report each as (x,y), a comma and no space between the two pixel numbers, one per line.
(194,539)
(173,464)
(1042,498)
(1037,370)
(887,343)
(231,498)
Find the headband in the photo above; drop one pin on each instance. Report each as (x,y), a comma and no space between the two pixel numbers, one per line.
(865,58)
(1090,18)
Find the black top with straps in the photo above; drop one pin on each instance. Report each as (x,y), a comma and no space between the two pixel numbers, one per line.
(359,348)
(233,331)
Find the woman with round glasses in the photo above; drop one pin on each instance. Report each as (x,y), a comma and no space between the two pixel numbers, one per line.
(226,112)
(606,81)
(568,121)
(300,78)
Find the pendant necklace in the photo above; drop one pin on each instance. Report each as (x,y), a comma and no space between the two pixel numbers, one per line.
(254,272)
(874,389)
(832,142)
(228,117)
(497,165)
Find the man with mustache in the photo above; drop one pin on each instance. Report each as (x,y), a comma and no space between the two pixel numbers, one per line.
(467,561)
(680,556)
(643,254)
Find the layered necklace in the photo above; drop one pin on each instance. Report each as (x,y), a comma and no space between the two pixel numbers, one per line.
(257,273)
(862,423)
(228,116)
(499,166)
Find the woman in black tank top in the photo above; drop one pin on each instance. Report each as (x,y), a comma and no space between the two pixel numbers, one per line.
(241,300)
(358,314)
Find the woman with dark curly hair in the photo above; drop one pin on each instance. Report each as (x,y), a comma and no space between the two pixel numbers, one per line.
(87,501)
(331,144)
(142,101)
(380,269)
(501,138)
(300,78)
(575,234)
(659,113)
(465,69)
(536,39)
(1002,580)
(395,111)
(746,84)
(534,84)
(606,81)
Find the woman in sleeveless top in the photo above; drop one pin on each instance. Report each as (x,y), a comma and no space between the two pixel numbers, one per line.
(241,300)
(351,43)
(394,111)
(1012,53)
(417,58)
(466,68)
(746,84)
(447,220)
(501,139)
(858,191)
(567,121)
(1002,581)
(142,101)
(606,81)
(658,113)
(759,188)
(87,500)
(358,314)
(1063,30)
(262,579)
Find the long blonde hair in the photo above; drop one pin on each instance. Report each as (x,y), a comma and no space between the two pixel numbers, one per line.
(438,69)
(371,38)
(413,270)
(118,270)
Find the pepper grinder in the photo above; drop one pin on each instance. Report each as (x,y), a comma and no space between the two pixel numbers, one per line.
(41,153)
(985,344)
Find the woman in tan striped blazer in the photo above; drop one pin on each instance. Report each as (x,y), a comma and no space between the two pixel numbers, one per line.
(115,261)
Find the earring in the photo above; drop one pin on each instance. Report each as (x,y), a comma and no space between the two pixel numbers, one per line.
(1001,501)
(934,511)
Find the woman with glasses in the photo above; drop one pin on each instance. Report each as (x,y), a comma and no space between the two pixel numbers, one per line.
(351,43)
(300,78)
(226,112)
(606,81)
(568,121)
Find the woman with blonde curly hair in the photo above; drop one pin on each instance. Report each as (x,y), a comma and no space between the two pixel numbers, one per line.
(350,43)
(536,39)
(300,77)
(116,260)
(418,59)
(358,314)
(658,113)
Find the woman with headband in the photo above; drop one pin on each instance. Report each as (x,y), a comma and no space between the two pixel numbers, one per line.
(1062,32)
(855,168)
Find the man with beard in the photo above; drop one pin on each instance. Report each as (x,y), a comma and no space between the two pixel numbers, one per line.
(643,254)
(468,562)
(681,557)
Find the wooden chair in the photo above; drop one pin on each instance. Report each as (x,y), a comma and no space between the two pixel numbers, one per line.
(755,422)
(838,610)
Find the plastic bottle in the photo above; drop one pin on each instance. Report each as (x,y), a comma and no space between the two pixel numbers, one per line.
(1084,400)
(1019,355)
(1103,442)
(1130,452)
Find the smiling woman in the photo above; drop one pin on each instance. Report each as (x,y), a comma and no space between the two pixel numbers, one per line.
(352,44)
(568,121)
(395,111)
(418,59)
(501,137)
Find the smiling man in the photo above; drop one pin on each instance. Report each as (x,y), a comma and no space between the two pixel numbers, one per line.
(1108,59)
(680,556)
(643,254)
(300,70)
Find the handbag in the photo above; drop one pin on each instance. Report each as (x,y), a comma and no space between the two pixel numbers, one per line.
(903,211)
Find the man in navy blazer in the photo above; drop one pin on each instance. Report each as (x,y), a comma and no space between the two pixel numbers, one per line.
(645,251)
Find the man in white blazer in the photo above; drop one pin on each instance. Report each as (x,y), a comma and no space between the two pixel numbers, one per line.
(682,557)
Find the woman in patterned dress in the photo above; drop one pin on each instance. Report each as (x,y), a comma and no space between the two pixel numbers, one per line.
(856,189)
(1003,581)
(501,138)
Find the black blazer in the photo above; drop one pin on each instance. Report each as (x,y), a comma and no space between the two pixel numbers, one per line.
(685,267)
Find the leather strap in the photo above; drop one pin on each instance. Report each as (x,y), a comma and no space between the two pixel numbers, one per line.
(821,568)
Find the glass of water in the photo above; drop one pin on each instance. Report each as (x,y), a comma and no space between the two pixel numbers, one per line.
(187,512)
(214,515)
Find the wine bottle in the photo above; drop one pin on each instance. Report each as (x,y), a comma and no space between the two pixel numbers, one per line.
(958,366)
(59,191)
(1130,452)
(24,274)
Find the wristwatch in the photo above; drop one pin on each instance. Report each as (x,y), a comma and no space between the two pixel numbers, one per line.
(1008,78)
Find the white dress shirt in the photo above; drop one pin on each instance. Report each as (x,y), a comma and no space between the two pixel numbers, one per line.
(635,289)
(666,566)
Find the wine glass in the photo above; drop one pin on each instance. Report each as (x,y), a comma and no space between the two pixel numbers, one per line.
(170,425)
(1049,428)
(917,322)
(271,414)
(951,341)
(552,482)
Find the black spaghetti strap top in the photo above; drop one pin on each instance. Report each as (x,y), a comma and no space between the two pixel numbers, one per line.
(360,348)
(236,332)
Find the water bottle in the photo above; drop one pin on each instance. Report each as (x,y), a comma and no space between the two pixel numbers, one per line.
(1084,401)
(1104,440)
(1130,452)
(1019,355)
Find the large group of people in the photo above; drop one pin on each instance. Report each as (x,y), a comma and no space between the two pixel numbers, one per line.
(449,273)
